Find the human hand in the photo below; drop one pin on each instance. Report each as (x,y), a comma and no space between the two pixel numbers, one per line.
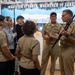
(49,34)
(46,37)
(12,57)
(15,34)
(65,33)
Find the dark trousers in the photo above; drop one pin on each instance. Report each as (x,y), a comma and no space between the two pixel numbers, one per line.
(12,63)
(24,71)
(4,68)
(12,51)
(11,67)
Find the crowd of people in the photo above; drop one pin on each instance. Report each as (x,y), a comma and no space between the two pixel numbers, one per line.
(18,43)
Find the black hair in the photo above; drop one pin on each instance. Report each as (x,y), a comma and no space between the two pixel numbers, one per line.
(2,18)
(7,18)
(68,11)
(29,27)
(53,13)
(19,17)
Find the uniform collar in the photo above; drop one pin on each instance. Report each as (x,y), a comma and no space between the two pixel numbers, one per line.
(53,24)
(29,36)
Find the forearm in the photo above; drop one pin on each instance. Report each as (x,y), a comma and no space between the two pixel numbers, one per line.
(54,37)
(36,61)
(37,64)
(51,36)
(7,53)
(71,39)
(45,37)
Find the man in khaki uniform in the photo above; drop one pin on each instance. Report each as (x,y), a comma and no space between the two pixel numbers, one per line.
(67,53)
(49,33)
(5,54)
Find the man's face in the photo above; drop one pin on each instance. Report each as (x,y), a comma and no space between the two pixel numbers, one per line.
(53,18)
(20,21)
(65,17)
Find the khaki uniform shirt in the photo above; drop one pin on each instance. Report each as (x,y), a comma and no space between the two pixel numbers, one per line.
(54,29)
(3,43)
(28,46)
(71,30)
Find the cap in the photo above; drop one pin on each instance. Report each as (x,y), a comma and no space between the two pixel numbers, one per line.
(53,13)
(19,17)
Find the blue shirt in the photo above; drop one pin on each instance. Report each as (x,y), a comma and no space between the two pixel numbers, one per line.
(10,36)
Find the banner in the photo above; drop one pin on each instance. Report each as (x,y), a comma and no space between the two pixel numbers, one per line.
(39,12)
(41,5)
